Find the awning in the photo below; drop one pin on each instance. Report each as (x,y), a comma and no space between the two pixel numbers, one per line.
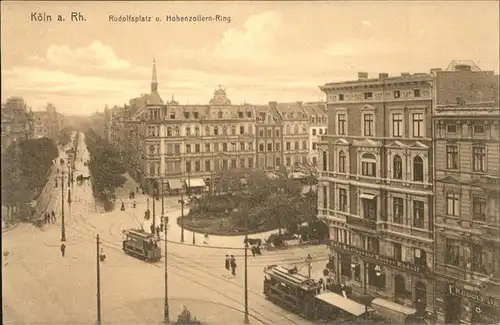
(196,182)
(350,306)
(367,196)
(175,184)
(379,302)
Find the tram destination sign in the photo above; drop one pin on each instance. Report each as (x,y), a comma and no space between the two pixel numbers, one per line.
(382,259)
(473,295)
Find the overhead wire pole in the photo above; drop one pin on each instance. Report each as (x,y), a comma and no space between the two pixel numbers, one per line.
(165,308)
(98,282)
(63,227)
(246,321)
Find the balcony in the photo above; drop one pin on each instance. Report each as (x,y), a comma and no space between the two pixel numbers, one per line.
(490,231)
(361,223)
(490,184)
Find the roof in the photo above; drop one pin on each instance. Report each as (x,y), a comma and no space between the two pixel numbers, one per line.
(154,99)
(314,108)
(350,306)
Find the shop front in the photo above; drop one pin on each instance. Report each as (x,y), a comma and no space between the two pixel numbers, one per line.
(462,303)
(363,273)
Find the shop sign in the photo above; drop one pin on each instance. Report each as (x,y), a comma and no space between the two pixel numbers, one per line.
(382,259)
(473,295)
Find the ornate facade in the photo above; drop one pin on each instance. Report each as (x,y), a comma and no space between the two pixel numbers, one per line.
(467,204)
(318,126)
(48,123)
(375,188)
(269,136)
(295,134)
(17,122)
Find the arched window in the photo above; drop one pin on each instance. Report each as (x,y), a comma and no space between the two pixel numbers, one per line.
(152,170)
(224,129)
(368,165)
(151,150)
(418,169)
(219,114)
(188,130)
(304,129)
(325,161)
(169,131)
(295,129)
(288,129)
(233,130)
(176,132)
(207,130)
(341,162)
(216,130)
(313,119)
(197,130)
(397,166)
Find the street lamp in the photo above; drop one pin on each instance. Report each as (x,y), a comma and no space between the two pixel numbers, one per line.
(63,228)
(246,321)
(181,202)
(165,307)
(194,240)
(309,267)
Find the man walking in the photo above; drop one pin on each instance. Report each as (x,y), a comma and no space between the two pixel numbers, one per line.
(53,217)
(233,265)
(63,249)
(228,260)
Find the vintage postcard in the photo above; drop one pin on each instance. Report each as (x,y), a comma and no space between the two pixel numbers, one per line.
(237,162)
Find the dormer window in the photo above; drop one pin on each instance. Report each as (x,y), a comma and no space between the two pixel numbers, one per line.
(195,114)
(451,128)
(368,95)
(341,97)
(172,115)
(219,114)
(186,114)
(240,114)
(397,94)
(478,128)
(249,114)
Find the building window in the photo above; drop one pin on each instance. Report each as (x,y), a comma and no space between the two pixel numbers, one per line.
(269,147)
(188,148)
(418,214)
(478,159)
(452,157)
(151,150)
(261,147)
(224,163)
(368,165)
(345,265)
(219,114)
(242,129)
(368,125)
(315,146)
(250,162)
(188,131)
(207,165)
(304,145)
(216,147)
(249,114)
(397,94)
(397,210)
(341,118)
(277,133)
(320,131)
(188,166)
(452,252)
(207,130)
(416,92)
(478,208)
(216,130)
(372,245)
(398,252)
(369,209)
(325,161)
(452,204)
(277,146)
(418,169)
(278,161)
(177,149)
(342,161)
(478,128)
(296,145)
(397,165)
(288,161)
(197,131)
(325,197)
(288,146)
(197,166)
(197,147)
(152,170)
(224,147)
(343,200)
(261,133)
(242,162)
(368,95)
(397,125)
(176,131)
(418,125)
(224,129)
(233,130)
(313,131)
(451,128)
(340,97)
(207,147)
(233,163)
(242,146)
(478,259)
(169,132)
(269,133)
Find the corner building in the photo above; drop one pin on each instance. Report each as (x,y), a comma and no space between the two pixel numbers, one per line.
(466,132)
(375,188)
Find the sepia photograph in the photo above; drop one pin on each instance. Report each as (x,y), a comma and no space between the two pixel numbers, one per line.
(250,162)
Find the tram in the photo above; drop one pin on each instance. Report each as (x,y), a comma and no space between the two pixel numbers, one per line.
(285,287)
(142,245)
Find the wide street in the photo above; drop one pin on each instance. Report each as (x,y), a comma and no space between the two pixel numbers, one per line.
(40,286)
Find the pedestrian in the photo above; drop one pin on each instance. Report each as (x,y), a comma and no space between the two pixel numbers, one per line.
(253,250)
(63,249)
(123,207)
(53,217)
(228,260)
(233,265)
(134,204)
(158,231)
(162,226)
(206,238)
(45,218)
(130,195)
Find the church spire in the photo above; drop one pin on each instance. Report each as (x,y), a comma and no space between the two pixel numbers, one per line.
(154,79)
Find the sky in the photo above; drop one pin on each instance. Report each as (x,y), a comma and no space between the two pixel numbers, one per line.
(269,51)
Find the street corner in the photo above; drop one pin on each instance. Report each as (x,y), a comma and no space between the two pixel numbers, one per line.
(206,311)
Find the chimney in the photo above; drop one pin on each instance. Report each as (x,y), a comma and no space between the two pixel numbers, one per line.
(383,75)
(362,75)
(434,70)
(405,74)
(273,104)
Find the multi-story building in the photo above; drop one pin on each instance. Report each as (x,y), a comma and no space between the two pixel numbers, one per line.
(467,204)
(375,188)
(318,126)
(185,144)
(17,122)
(48,123)
(269,136)
(295,133)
